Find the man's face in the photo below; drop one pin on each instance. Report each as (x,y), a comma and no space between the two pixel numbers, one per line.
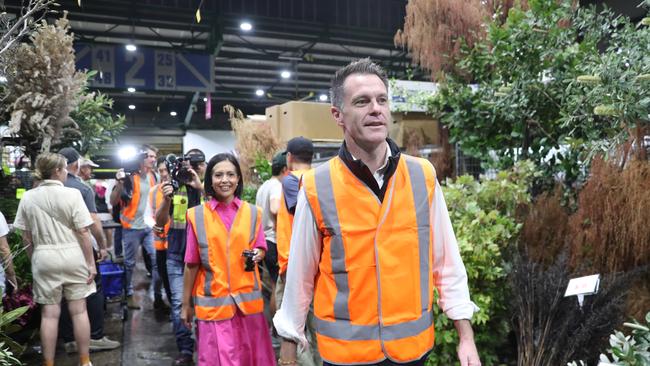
(365,112)
(163,172)
(201,169)
(85,172)
(150,160)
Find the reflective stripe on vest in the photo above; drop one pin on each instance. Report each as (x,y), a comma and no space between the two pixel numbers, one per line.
(156,198)
(410,336)
(179,211)
(208,299)
(283,225)
(137,205)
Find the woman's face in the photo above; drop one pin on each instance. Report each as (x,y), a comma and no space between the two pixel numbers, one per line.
(61,174)
(224,181)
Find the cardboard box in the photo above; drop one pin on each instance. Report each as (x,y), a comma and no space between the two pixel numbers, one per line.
(273,118)
(414,122)
(308,119)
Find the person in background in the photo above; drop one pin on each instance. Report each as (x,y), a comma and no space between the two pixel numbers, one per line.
(160,232)
(86,169)
(226,233)
(135,233)
(300,152)
(371,240)
(94,302)
(103,212)
(173,212)
(268,198)
(7,273)
(55,227)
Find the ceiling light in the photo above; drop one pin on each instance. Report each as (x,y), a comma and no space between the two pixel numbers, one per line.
(285,74)
(173,113)
(205,99)
(259,92)
(131,47)
(322,97)
(246,26)
(131,106)
(130,89)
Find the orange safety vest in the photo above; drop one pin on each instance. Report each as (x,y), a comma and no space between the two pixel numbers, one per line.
(156,198)
(135,207)
(374,291)
(221,285)
(283,225)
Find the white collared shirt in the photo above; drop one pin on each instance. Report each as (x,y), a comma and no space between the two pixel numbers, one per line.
(304,257)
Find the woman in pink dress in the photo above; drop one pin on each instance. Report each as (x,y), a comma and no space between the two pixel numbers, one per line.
(221,285)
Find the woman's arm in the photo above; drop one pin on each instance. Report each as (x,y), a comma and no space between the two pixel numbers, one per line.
(83,235)
(8,263)
(27,243)
(187,310)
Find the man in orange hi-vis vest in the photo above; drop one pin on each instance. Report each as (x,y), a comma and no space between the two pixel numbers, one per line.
(300,152)
(371,240)
(131,192)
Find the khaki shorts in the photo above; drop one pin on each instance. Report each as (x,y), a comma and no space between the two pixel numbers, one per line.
(59,270)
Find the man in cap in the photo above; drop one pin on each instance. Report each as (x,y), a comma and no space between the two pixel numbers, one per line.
(94,302)
(86,169)
(171,212)
(268,198)
(300,152)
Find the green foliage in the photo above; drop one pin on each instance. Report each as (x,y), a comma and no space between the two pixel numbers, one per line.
(8,347)
(262,168)
(249,194)
(97,125)
(22,264)
(631,350)
(529,103)
(483,217)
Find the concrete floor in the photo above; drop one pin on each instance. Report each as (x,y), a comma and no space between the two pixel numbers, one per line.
(147,336)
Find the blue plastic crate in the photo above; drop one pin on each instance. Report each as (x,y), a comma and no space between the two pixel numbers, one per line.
(112,278)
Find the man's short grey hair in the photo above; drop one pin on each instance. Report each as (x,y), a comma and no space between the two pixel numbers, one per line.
(361,66)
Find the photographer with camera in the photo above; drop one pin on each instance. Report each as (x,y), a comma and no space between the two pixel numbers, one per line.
(226,233)
(131,191)
(181,188)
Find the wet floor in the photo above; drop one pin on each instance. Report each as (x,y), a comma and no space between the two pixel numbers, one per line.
(146,335)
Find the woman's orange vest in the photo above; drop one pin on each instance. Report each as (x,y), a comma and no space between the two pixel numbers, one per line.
(156,198)
(221,285)
(374,289)
(134,206)
(283,225)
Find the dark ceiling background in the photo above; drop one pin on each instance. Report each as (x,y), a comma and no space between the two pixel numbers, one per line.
(309,38)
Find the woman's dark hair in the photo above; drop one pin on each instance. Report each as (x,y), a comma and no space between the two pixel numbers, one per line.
(207,184)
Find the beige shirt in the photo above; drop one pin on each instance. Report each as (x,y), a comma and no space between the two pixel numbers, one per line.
(52,213)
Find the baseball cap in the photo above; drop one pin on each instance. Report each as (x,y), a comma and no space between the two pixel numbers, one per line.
(71,155)
(300,145)
(86,161)
(279,160)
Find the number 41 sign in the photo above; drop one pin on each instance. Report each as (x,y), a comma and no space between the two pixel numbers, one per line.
(146,68)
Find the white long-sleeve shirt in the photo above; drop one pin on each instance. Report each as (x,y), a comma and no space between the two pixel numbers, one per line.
(304,257)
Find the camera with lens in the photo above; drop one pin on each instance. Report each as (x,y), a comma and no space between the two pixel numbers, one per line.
(249,264)
(131,163)
(178,168)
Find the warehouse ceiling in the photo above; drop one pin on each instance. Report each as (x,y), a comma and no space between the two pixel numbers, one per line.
(310,39)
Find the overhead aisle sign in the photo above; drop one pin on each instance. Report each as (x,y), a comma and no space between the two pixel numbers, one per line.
(146,68)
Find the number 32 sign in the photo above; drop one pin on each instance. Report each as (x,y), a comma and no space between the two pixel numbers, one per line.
(146,68)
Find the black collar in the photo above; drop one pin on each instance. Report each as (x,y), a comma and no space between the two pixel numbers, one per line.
(361,171)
